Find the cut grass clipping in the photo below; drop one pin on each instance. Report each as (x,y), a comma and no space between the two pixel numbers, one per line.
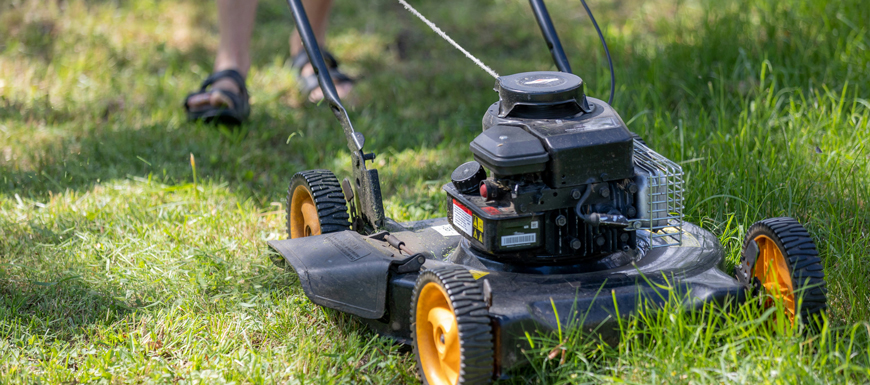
(120,264)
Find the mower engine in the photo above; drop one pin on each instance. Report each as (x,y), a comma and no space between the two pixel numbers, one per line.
(568,183)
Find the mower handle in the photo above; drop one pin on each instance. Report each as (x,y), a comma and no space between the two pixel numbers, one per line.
(355,140)
(368,185)
(368,188)
(550,35)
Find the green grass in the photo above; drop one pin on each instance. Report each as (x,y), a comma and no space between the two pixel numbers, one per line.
(115,266)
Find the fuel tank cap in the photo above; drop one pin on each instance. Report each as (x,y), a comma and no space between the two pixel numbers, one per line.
(467,177)
(541,94)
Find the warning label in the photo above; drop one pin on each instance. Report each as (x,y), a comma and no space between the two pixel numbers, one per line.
(478,229)
(462,218)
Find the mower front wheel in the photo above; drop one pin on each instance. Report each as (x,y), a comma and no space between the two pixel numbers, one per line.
(780,258)
(315,204)
(451,328)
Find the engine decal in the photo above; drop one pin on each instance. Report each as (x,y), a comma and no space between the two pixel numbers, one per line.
(351,253)
(518,239)
(462,218)
(478,229)
(445,230)
(477,274)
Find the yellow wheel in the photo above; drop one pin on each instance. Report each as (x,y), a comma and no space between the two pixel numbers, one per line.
(451,328)
(780,258)
(315,204)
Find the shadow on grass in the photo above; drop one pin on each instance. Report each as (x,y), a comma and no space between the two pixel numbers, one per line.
(58,309)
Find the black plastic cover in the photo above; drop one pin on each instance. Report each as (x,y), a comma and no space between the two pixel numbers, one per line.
(509,150)
(340,271)
(546,93)
(468,176)
(587,148)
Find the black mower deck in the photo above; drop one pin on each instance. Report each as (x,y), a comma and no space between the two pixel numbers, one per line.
(368,278)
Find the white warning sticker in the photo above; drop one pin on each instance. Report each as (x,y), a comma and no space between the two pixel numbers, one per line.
(462,218)
(445,230)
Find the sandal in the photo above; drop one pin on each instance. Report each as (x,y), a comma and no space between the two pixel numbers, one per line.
(309,83)
(232,113)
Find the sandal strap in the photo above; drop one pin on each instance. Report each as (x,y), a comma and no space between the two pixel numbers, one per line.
(310,82)
(232,74)
(240,102)
(301,59)
(240,99)
(234,97)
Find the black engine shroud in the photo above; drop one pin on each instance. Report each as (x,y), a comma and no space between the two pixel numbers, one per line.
(562,185)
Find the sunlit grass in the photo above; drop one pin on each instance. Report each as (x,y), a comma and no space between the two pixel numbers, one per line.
(116,267)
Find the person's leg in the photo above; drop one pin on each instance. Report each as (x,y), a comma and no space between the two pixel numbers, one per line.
(236,22)
(318,15)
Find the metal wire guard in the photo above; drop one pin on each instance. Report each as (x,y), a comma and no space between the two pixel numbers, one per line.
(662,211)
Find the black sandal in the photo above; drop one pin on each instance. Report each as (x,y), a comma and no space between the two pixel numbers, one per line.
(231,115)
(309,83)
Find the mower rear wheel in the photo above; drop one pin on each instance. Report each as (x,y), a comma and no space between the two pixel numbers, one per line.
(787,267)
(451,328)
(315,204)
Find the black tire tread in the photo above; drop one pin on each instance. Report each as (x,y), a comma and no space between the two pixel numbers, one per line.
(472,318)
(803,261)
(328,198)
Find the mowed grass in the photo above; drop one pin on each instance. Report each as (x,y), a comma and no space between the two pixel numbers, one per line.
(122,263)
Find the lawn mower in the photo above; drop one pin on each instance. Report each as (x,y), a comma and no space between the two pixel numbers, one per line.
(563,219)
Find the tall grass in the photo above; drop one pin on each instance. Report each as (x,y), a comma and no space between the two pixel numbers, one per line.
(118,264)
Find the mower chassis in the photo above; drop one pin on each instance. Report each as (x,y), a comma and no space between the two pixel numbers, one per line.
(359,272)
(363,276)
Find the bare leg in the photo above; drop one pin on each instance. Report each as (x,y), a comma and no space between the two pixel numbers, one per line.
(318,15)
(236,22)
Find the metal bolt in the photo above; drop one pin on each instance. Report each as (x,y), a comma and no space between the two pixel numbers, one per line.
(599,241)
(624,237)
(604,191)
(575,194)
(631,211)
(632,188)
(523,207)
(561,220)
(576,244)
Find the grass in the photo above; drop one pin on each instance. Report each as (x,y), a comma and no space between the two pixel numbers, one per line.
(120,264)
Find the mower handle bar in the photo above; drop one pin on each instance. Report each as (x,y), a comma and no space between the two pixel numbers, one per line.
(367,182)
(550,35)
(355,140)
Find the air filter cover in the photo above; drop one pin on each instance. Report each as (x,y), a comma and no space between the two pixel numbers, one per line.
(509,150)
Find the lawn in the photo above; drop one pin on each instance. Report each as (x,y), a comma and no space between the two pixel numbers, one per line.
(122,262)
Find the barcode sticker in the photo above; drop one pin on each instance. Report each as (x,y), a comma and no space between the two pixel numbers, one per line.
(519,239)
(462,218)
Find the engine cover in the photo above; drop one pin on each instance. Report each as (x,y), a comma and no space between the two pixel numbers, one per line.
(584,144)
(562,185)
(586,148)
